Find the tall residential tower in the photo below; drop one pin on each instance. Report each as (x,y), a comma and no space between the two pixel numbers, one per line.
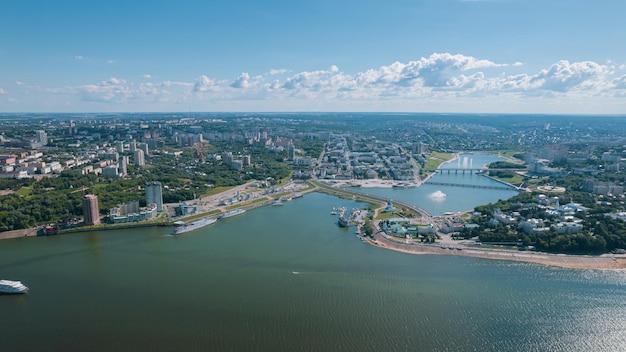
(91,212)
(154,194)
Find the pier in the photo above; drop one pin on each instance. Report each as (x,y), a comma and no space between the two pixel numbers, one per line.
(323,188)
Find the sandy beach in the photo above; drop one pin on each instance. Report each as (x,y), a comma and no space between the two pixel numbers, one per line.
(605,261)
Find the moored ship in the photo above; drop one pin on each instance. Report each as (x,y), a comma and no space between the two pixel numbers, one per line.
(193,225)
(228,214)
(12,287)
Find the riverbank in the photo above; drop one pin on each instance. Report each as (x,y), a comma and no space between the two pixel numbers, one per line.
(604,261)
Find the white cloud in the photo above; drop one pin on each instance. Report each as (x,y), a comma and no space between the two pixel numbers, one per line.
(244,81)
(175,83)
(563,76)
(620,82)
(110,62)
(204,84)
(441,79)
(278,71)
(19,83)
(434,71)
(2,91)
(318,80)
(112,89)
(79,57)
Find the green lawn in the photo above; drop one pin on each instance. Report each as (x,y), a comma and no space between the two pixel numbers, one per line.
(436,158)
(513,180)
(383,216)
(215,190)
(25,191)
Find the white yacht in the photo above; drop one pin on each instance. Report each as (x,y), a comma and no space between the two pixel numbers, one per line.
(193,225)
(12,287)
(228,214)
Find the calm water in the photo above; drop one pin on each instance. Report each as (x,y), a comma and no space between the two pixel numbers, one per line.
(457,199)
(288,279)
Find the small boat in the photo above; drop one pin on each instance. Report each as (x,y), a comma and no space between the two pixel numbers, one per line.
(277,203)
(12,287)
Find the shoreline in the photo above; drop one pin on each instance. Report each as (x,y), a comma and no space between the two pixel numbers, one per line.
(603,262)
(569,261)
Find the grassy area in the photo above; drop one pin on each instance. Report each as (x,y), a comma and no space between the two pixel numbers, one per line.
(285,180)
(383,216)
(201,215)
(508,153)
(513,180)
(216,190)
(25,191)
(239,205)
(436,158)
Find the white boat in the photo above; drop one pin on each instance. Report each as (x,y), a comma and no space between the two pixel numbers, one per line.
(12,287)
(228,214)
(193,225)
(278,203)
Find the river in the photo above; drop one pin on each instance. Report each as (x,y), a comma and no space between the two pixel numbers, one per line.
(289,279)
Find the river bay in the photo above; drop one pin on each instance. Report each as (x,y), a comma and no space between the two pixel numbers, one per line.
(289,279)
(437,199)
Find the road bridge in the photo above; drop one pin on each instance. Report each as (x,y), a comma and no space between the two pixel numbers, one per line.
(470,170)
(503,188)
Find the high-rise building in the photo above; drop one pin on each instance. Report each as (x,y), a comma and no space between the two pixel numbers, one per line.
(144,147)
(91,212)
(139,158)
(123,165)
(42,137)
(154,194)
(119,146)
(133,146)
(292,152)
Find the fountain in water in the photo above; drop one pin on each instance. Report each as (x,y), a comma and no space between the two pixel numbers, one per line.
(438,195)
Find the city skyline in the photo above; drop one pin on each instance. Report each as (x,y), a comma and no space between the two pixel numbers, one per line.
(500,56)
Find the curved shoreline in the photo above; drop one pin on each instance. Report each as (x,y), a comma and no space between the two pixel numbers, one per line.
(604,261)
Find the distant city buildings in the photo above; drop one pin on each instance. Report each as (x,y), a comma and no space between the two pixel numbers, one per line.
(91,211)
(237,163)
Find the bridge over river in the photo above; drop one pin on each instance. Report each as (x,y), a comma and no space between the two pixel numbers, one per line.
(503,188)
(470,170)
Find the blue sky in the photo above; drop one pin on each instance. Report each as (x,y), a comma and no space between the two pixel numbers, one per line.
(527,56)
